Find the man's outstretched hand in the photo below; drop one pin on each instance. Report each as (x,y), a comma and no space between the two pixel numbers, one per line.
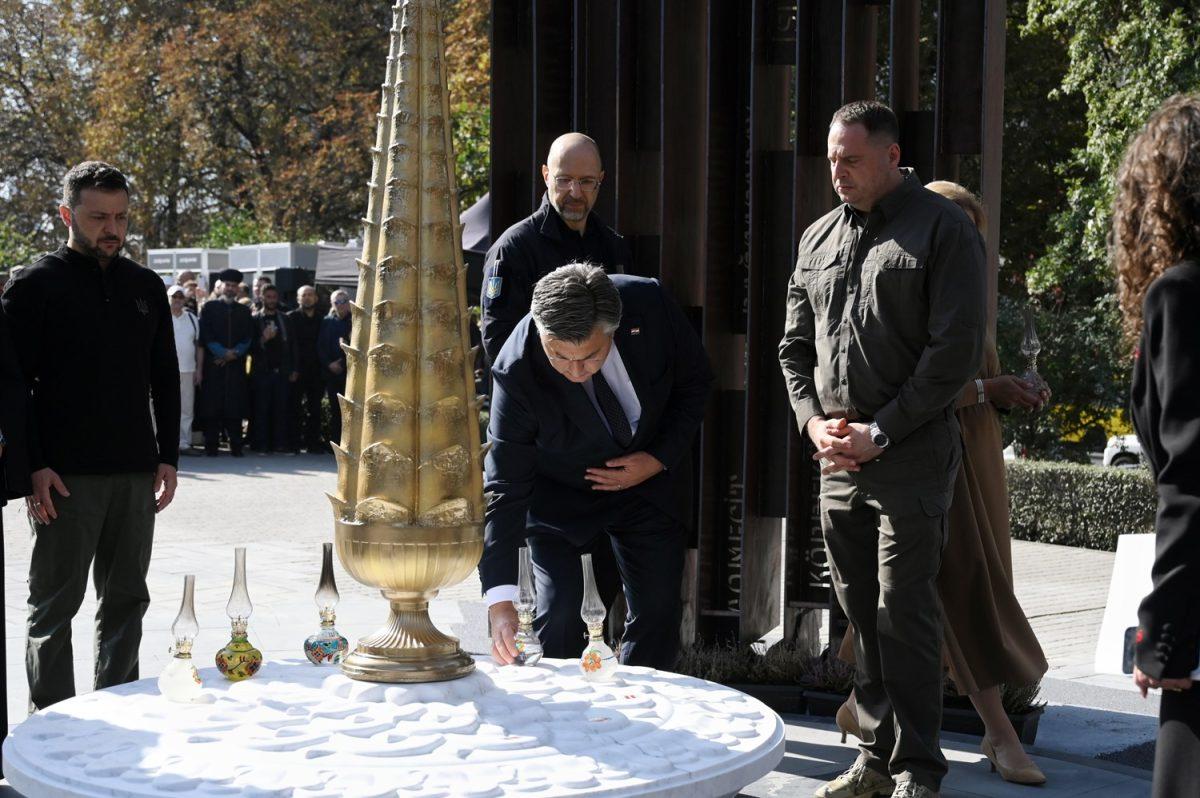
(502,617)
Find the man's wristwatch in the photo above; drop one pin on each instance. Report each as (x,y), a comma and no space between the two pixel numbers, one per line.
(878,436)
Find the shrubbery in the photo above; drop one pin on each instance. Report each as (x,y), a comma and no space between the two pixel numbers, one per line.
(1079,505)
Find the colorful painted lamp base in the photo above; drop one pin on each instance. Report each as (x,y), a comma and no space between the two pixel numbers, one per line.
(239,659)
(326,647)
(598,663)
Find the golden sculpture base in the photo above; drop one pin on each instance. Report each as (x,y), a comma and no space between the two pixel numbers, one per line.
(409,648)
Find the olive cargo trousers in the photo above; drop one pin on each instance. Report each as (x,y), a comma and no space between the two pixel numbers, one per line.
(108,518)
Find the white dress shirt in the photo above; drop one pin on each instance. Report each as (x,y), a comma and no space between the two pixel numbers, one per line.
(187,330)
(617,377)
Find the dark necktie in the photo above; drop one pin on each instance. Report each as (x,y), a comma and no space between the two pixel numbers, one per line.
(614,414)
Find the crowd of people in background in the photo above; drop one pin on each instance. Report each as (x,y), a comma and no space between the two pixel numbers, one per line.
(255,369)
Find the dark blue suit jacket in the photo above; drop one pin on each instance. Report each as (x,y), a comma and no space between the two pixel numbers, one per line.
(545,432)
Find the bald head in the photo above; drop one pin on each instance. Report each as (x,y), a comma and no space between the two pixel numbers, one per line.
(573,172)
(574,146)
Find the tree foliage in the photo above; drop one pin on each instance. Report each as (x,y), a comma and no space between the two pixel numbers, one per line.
(17,247)
(1125,58)
(233,118)
(469,57)
(1082,77)
(43,108)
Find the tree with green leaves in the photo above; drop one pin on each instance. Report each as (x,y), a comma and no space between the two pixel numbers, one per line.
(1082,77)
(1126,57)
(224,137)
(44,93)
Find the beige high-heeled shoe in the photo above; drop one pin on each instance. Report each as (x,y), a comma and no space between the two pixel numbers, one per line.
(847,719)
(1029,774)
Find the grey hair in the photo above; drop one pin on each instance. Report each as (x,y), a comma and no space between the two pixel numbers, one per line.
(570,302)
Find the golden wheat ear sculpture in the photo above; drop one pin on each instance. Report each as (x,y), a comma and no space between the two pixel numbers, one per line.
(408,509)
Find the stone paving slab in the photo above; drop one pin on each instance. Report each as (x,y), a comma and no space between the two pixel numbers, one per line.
(815,754)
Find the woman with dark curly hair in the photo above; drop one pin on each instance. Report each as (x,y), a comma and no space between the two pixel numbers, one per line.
(1155,246)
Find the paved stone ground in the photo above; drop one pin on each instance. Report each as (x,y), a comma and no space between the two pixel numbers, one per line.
(275,506)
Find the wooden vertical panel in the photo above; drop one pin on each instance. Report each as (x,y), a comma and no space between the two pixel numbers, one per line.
(859,24)
(770,225)
(818,94)
(641,132)
(904,56)
(822,46)
(916,126)
(959,104)
(918,143)
(511,183)
(992,142)
(597,83)
(727,148)
(553,76)
(683,44)
(684,170)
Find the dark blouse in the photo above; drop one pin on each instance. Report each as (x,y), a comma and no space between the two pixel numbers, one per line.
(1166,414)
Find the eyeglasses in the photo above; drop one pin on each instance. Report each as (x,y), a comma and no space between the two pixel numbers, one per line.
(341,301)
(586,184)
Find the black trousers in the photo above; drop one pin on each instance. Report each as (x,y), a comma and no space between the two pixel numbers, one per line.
(643,549)
(108,518)
(332,388)
(212,434)
(1177,754)
(3,660)
(304,418)
(271,411)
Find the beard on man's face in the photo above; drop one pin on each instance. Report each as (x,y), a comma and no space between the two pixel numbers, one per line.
(570,208)
(93,248)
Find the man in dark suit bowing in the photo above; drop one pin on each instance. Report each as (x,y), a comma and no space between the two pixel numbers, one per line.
(598,395)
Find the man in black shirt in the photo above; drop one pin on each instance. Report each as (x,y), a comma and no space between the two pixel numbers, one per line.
(563,230)
(94,336)
(14,475)
(304,327)
(271,371)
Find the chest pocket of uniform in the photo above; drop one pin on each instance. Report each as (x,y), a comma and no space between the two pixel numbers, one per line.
(894,287)
(820,272)
(895,259)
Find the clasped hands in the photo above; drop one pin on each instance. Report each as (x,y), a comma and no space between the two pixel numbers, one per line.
(841,445)
(624,472)
(229,356)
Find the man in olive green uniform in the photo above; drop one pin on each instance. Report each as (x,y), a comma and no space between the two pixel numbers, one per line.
(885,323)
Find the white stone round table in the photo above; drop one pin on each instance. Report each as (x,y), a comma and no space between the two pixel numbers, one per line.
(302,731)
